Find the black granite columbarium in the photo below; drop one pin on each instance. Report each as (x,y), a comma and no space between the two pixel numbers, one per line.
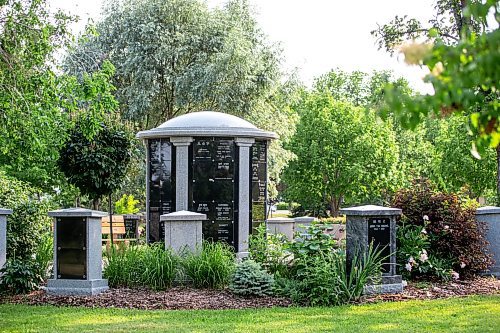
(375,225)
(210,163)
(77,252)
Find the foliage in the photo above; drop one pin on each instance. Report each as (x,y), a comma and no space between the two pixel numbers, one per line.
(29,221)
(344,153)
(138,266)
(313,241)
(462,63)
(270,250)
(44,255)
(38,104)
(126,205)
(174,57)
(324,279)
(250,279)
(20,276)
(455,168)
(96,166)
(211,266)
(415,256)
(452,229)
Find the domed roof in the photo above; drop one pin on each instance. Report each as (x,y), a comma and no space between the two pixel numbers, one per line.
(206,123)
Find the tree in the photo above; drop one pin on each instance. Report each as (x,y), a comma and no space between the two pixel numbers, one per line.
(455,168)
(37,104)
(343,153)
(177,56)
(462,59)
(96,166)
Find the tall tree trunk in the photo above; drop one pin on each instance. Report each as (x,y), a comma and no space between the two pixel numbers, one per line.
(498,175)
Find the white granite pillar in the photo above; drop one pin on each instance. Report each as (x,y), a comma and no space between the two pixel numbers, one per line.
(244,184)
(181,171)
(3,235)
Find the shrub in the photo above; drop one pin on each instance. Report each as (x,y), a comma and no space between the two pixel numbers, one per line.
(452,229)
(44,254)
(138,265)
(126,205)
(211,266)
(325,280)
(313,241)
(270,251)
(20,277)
(250,279)
(28,222)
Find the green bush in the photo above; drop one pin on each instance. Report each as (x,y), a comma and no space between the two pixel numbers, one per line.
(250,279)
(324,279)
(20,276)
(450,225)
(138,265)
(29,221)
(44,254)
(313,241)
(270,251)
(211,266)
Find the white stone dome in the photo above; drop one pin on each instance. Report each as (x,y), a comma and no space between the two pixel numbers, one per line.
(206,123)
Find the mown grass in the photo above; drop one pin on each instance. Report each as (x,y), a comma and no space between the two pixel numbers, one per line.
(472,314)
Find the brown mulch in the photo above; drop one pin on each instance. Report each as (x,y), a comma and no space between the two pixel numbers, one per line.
(435,290)
(173,299)
(187,298)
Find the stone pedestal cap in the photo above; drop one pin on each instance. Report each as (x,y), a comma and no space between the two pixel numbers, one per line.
(304,219)
(206,123)
(183,215)
(488,210)
(77,212)
(4,211)
(280,220)
(371,210)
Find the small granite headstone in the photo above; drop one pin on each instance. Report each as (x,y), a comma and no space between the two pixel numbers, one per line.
(491,216)
(3,235)
(377,225)
(77,253)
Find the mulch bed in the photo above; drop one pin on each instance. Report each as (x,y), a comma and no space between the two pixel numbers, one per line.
(188,298)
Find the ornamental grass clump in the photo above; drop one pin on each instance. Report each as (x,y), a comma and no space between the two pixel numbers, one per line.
(250,279)
(209,267)
(141,266)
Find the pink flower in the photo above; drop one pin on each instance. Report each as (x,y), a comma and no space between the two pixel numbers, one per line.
(455,275)
(411,261)
(462,264)
(426,218)
(404,283)
(408,267)
(424,231)
(423,256)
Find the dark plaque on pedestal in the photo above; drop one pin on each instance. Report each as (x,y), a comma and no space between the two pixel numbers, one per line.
(71,248)
(379,232)
(258,175)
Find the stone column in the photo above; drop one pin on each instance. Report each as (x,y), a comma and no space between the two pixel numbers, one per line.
(3,235)
(244,145)
(491,217)
(183,230)
(77,252)
(367,224)
(181,171)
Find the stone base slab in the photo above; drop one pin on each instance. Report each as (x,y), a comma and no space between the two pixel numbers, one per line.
(390,284)
(76,287)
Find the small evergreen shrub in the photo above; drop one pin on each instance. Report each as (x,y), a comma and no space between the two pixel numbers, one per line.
(20,277)
(210,267)
(250,279)
(450,225)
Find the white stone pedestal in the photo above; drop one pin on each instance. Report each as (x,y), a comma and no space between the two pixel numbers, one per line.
(3,235)
(281,225)
(66,281)
(183,230)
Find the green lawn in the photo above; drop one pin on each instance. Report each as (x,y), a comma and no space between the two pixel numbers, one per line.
(473,314)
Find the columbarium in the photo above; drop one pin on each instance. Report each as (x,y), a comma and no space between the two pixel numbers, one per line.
(210,163)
